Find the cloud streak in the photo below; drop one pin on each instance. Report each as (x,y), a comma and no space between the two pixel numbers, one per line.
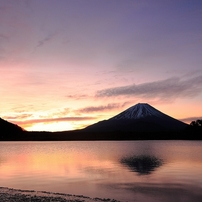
(45,40)
(168,88)
(101,108)
(21,116)
(32,121)
(77,97)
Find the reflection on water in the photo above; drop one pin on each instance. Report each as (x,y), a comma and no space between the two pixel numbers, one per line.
(143,164)
(143,171)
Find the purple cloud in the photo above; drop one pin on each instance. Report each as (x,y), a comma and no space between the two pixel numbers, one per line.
(168,88)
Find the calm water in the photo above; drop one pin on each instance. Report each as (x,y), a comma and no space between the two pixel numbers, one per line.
(143,171)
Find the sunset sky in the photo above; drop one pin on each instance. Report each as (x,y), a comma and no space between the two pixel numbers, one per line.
(65,64)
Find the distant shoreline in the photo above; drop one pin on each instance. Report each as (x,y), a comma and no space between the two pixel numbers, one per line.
(9,194)
(81,135)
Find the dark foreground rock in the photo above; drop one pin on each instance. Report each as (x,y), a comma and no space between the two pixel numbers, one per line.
(13,195)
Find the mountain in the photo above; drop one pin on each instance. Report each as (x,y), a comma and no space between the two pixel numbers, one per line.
(9,130)
(139,118)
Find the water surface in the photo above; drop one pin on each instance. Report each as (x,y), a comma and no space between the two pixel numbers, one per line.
(123,170)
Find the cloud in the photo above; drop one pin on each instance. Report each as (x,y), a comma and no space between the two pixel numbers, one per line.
(77,97)
(32,121)
(59,113)
(169,88)
(22,116)
(92,109)
(45,40)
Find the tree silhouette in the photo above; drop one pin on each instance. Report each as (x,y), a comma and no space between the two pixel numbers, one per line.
(197,123)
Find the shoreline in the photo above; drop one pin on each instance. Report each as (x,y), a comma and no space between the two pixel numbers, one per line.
(12,195)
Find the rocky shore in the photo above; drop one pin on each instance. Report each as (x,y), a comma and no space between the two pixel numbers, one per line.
(13,195)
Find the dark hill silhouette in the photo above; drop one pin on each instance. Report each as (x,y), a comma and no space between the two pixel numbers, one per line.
(139,118)
(9,130)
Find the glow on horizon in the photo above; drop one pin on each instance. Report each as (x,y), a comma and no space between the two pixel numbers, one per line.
(57,126)
(60,125)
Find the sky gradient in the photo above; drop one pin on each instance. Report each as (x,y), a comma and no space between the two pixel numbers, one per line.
(65,64)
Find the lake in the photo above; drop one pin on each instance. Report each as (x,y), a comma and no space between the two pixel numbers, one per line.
(143,171)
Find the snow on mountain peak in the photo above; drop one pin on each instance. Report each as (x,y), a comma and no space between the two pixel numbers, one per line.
(138,111)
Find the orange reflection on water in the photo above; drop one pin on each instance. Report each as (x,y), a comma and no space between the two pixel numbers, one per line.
(53,163)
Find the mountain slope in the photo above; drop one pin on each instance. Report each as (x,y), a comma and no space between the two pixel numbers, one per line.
(139,118)
(138,111)
(9,130)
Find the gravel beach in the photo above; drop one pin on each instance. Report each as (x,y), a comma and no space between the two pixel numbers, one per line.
(12,195)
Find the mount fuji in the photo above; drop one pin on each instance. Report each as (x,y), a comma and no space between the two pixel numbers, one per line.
(139,118)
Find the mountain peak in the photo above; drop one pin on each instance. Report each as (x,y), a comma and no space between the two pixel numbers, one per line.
(139,118)
(138,111)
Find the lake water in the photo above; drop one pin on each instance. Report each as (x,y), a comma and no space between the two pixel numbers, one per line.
(143,171)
